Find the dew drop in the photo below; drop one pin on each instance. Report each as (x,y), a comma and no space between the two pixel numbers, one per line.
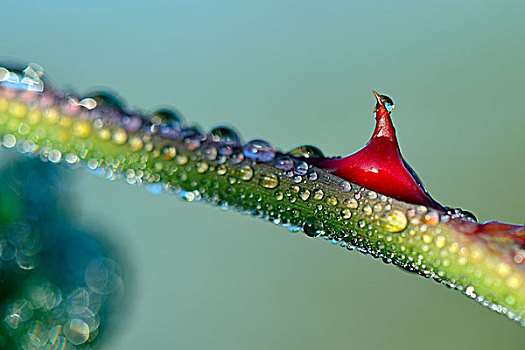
(346,213)
(352,203)
(378,207)
(394,221)
(187,195)
(268,180)
(192,138)
(181,159)
(107,99)
(304,194)
(136,143)
(313,227)
(318,194)
(210,153)
(301,168)
(119,136)
(312,176)
(345,186)
(131,123)
(297,179)
(306,151)
(332,201)
(279,195)
(259,151)
(201,167)
(284,163)
(388,103)
(166,122)
(236,157)
(81,129)
(244,172)
(169,152)
(221,170)
(225,136)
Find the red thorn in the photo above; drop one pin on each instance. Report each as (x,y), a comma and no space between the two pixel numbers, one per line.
(380,167)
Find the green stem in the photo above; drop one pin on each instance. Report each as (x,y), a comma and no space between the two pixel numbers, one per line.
(485,268)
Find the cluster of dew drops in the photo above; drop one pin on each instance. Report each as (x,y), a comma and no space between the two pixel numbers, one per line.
(112,122)
(106,116)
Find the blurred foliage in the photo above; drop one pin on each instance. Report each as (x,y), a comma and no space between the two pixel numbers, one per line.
(60,285)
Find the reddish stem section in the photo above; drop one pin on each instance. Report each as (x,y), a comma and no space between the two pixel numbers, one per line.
(380,166)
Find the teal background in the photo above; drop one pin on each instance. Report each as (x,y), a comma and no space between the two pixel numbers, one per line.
(294,72)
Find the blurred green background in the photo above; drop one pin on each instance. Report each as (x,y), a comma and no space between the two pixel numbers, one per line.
(295,72)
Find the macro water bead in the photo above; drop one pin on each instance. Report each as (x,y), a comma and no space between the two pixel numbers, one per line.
(370,200)
(259,151)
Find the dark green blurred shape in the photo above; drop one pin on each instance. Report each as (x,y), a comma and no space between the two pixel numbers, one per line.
(60,285)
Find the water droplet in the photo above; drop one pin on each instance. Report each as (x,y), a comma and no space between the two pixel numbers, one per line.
(301,168)
(279,195)
(371,195)
(201,167)
(367,210)
(306,151)
(318,194)
(304,194)
(221,170)
(131,123)
(187,195)
(440,241)
(119,136)
(378,207)
(346,213)
(332,201)
(192,138)
(225,136)
(432,218)
(23,79)
(394,221)
(181,159)
(388,103)
(169,152)
(259,151)
(268,180)
(210,153)
(166,122)
(236,157)
(352,203)
(297,179)
(312,176)
(107,99)
(345,186)
(81,129)
(313,227)
(284,163)
(244,172)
